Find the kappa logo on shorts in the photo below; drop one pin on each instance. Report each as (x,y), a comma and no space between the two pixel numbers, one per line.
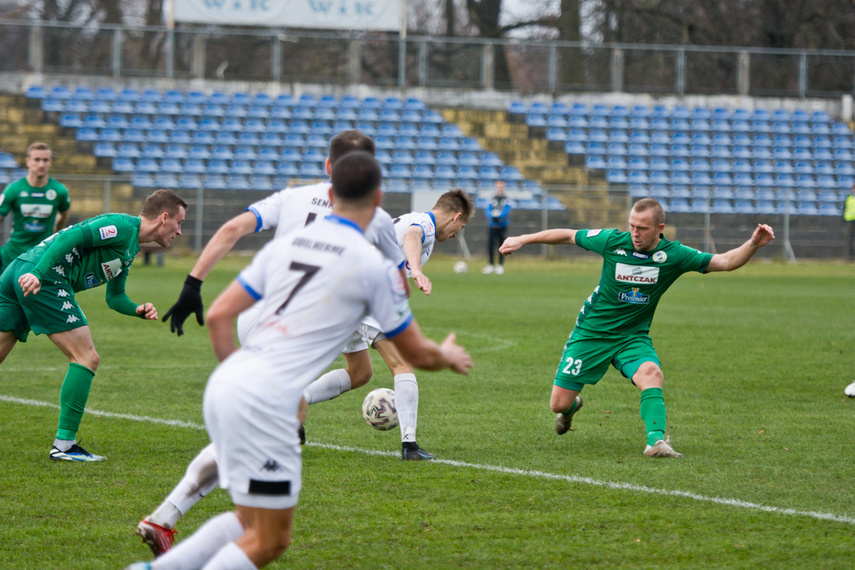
(108,232)
(71,319)
(62,293)
(270,465)
(66,305)
(59,269)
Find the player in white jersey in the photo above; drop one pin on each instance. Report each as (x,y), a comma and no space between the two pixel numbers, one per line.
(286,211)
(417,233)
(314,287)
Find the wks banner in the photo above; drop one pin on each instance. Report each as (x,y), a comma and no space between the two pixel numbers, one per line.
(320,14)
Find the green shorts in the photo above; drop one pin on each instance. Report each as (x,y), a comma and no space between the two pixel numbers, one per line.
(51,310)
(586,360)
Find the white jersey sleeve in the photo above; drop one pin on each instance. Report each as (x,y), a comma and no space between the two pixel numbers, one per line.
(427,223)
(381,233)
(292,208)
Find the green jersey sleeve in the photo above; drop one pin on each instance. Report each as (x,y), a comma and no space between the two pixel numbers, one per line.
(596,241)
(7,200)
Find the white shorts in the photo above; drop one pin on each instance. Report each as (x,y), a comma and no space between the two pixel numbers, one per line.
(255,434)
(370,331)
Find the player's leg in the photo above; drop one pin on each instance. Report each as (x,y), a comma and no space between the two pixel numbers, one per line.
(200,479)
(336,382)
(77,346)
(584,361)
(639,362)
(7,343)
(406,398)
(267,536)
(501,234)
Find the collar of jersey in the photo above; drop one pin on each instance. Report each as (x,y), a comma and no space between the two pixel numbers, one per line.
(344,222)
(433,219)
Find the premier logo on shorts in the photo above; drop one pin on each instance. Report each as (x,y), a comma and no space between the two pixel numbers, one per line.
(637,274)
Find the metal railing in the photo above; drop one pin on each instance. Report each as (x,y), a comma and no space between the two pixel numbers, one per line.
(387,60)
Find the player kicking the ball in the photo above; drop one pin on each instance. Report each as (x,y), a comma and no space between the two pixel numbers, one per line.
(613,325)
(315,286)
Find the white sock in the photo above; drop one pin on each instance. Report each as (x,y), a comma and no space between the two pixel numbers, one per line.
(64,444)
(200,479)
(331,385)
(230,557)
(202,545)
(407,404)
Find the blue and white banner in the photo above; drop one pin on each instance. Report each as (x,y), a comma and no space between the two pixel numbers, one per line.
(321,14)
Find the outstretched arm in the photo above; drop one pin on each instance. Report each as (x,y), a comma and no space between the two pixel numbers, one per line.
(412,247)
(737,257)
(549,237)
(190,299)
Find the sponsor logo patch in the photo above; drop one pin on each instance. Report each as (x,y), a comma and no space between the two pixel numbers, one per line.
(111,268)
(625,273)
(633,297)
(640,255)
(34,226)
(108,232)
(90,281)
(592,233)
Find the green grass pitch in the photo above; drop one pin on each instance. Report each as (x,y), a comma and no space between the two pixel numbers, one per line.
(755,364)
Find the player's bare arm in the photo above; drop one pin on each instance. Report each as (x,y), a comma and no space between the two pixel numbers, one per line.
(412,248)
(737,257)
(190,300)
(424,353)
(61,220)
(222,242)
(221,327)
(549,237)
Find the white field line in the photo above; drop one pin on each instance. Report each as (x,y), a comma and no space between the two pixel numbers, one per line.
(493,468)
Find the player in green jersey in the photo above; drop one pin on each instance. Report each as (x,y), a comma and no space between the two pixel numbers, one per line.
(39,205)
(613,325)
(37,294)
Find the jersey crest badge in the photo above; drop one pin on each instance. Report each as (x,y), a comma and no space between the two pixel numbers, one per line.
(660,257)
(50,194)
(108,232)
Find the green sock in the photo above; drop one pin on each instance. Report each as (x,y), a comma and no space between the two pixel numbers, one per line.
(72,400)
(653,414)
(572,408)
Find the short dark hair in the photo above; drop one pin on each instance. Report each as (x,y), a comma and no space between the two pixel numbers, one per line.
(348,141)
(161,201)
(650,204)
(355,176)
(456,200)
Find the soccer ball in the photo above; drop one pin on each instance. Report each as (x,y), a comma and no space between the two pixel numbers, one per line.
(378,409)
(850,390)
(461,267)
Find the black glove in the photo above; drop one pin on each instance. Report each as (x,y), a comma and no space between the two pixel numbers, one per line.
(190,301)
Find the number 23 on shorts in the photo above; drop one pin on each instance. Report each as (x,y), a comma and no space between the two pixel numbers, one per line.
(573,367)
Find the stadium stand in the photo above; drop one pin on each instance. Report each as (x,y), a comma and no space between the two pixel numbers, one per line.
(257,142)
(666,153)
